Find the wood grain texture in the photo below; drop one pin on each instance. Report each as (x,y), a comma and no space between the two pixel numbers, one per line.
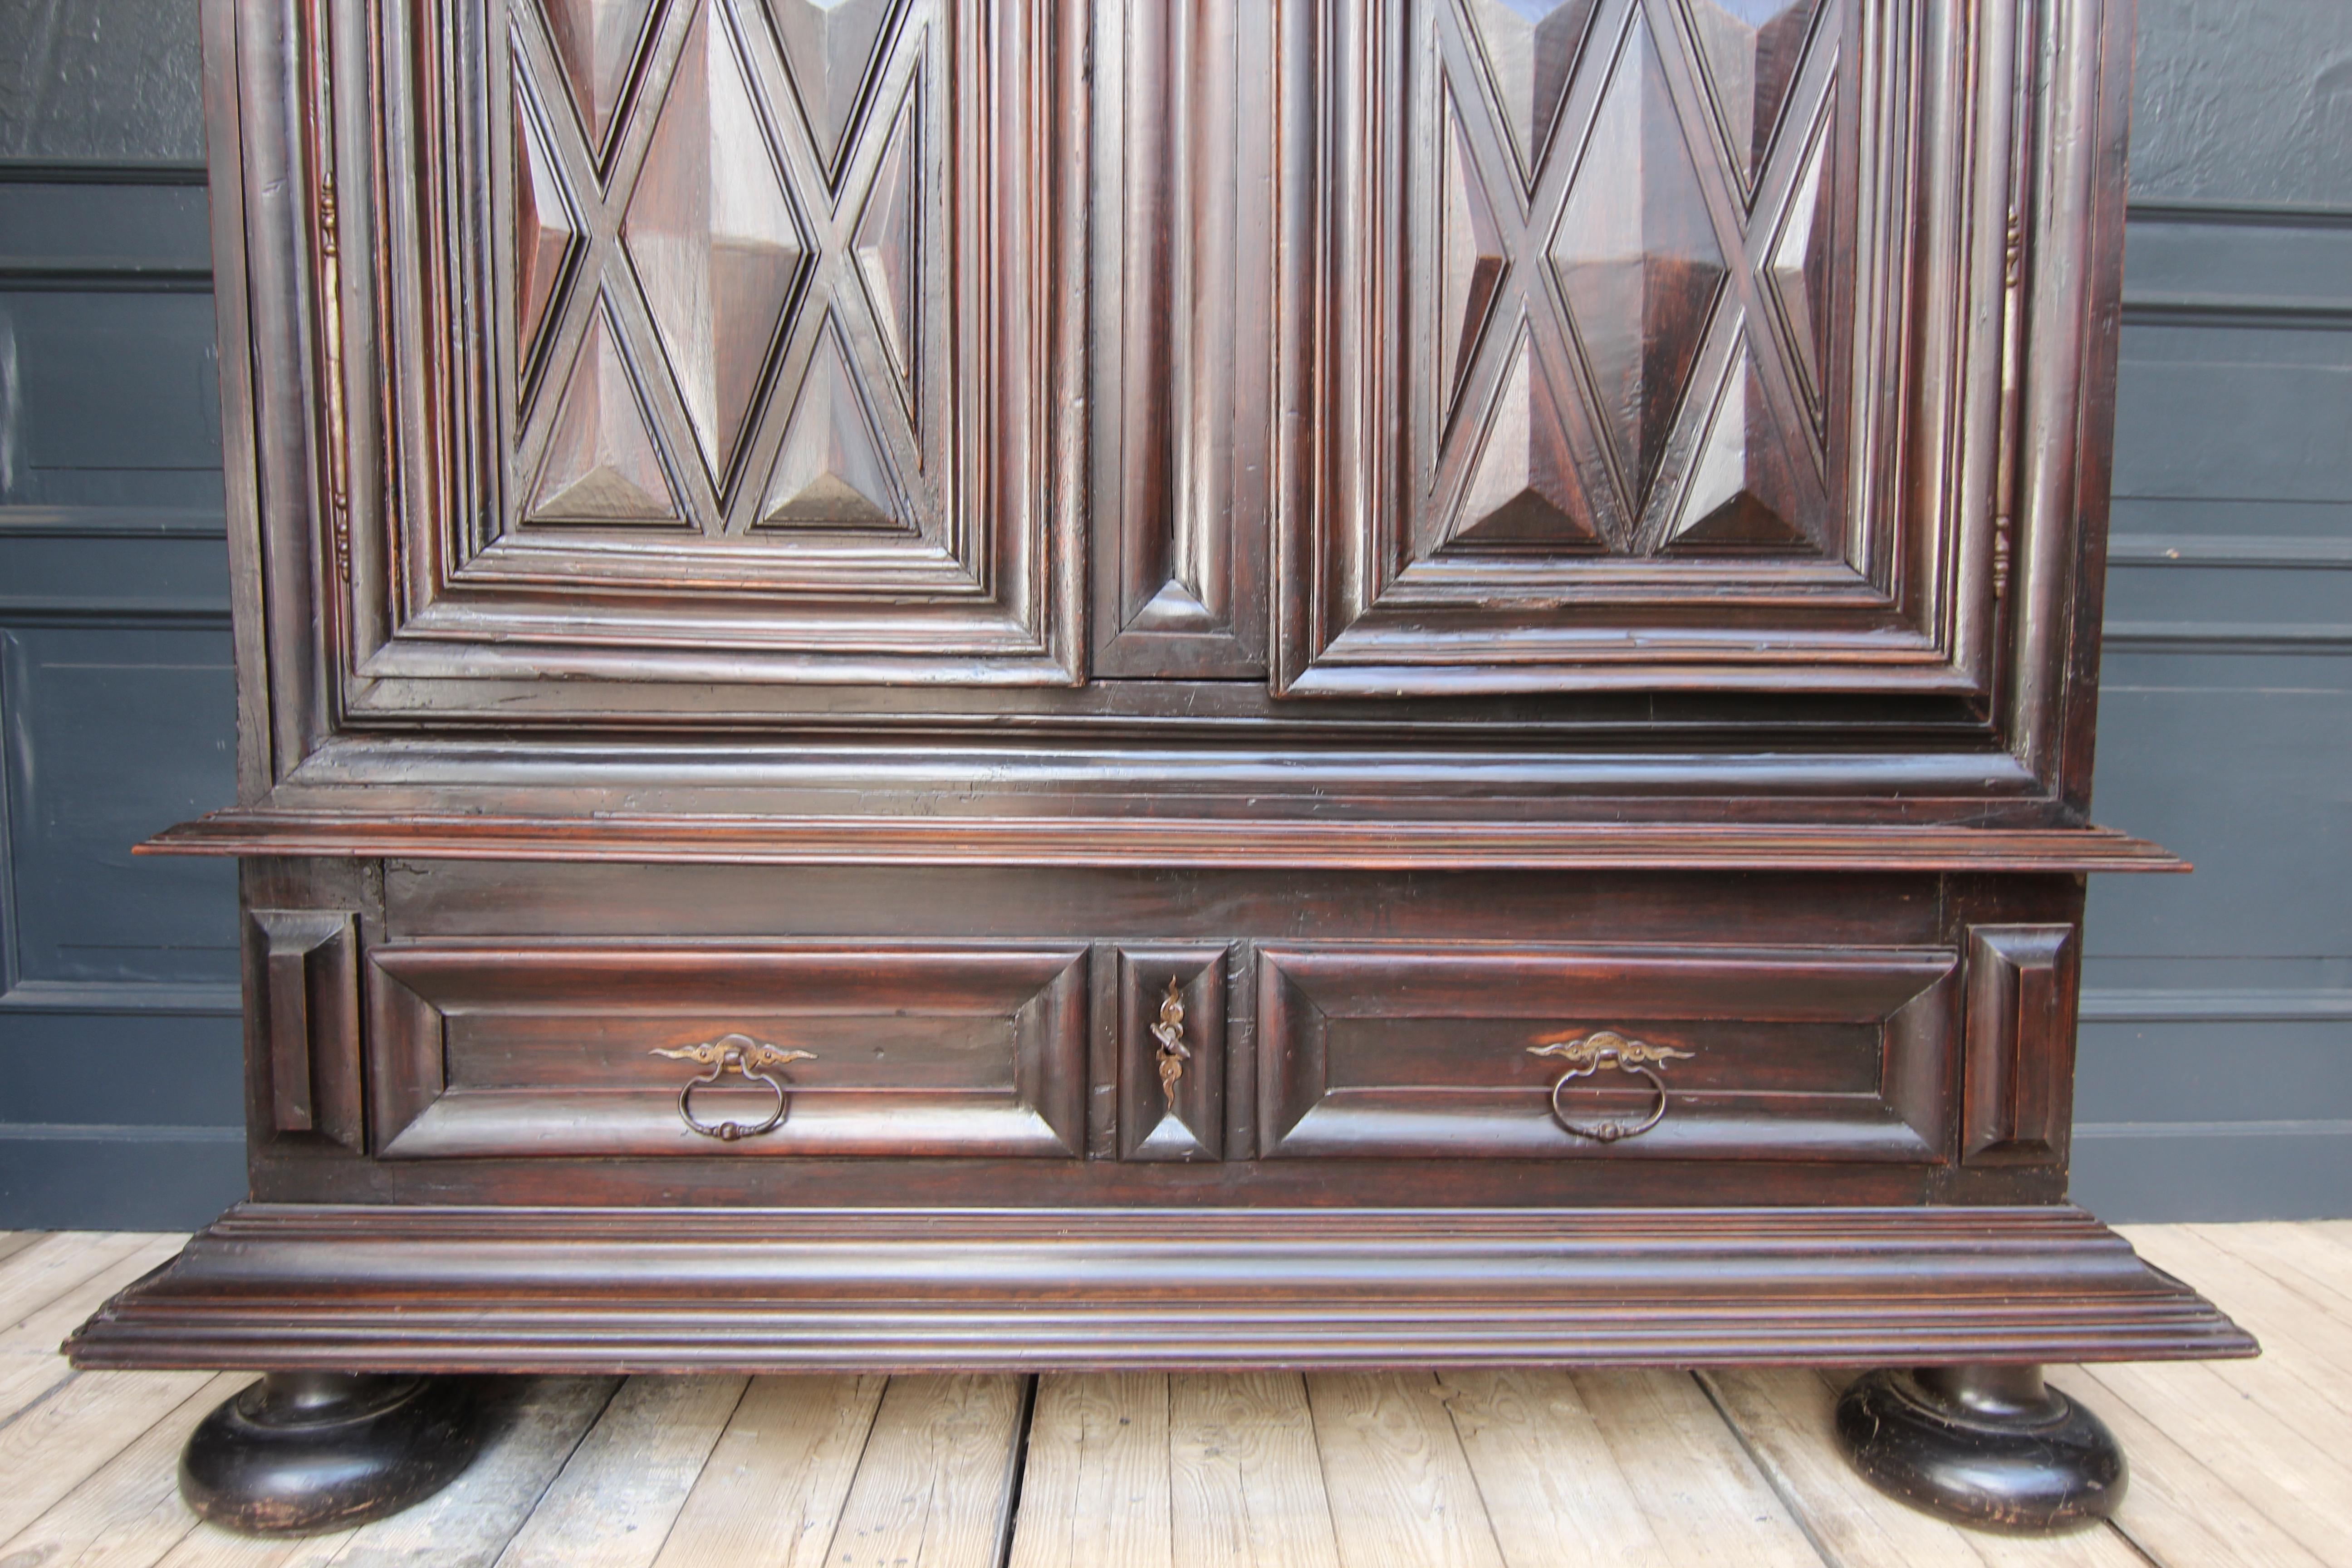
(78,1427)
(538,1426)
(447,1289)
(1246,1476)
(1670,1441)
(623,1487)
(773,1488)
(1554,1489)
(1474,513)
(1095,1481)
(2300,1326)
(128,1513)
(1400,1490)
(935,1487)
(1733,1466)
(2177,1510)
(1089,841)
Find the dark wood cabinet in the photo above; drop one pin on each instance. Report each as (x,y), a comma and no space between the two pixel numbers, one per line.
(1062,682)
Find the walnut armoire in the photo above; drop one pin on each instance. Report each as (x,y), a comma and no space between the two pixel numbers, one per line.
(1162,683)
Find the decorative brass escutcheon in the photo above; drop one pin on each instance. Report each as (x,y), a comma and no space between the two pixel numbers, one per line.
(1606,1048)
(738,1054)
(1170,1033)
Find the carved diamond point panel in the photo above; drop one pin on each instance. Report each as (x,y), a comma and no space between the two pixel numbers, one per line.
(546,230)
(597,41)
(1637,258)
(1529,47)
(1473,260)
(831,47)
(1521,488)
(1797,271)
(1750,49)
(712,234)
(600,465)
(1740,495)
(832,470)
(885,243)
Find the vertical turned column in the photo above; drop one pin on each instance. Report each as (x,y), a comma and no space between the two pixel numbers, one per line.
(1988,1445)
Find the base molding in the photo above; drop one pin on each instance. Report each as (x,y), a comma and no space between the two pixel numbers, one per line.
(583,1289)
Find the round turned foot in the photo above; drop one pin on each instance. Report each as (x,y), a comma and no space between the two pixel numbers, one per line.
(301,1452)
(1984,1445)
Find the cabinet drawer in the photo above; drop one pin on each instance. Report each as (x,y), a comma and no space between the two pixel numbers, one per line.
(1791,1053)
(480,1049)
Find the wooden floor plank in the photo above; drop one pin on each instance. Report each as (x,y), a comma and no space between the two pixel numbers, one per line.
(1244,1478)
(12,1242)
(614,1500)
(1551,1484)
(59,1262)
(536,1424)
(2177,1511)
(52,1445)
(127,1513)
(1094,1489)
(41,1330)
(1706,1498)
(2293,1483)
(1786,1416)
(2283,1309)
(772,1490)
(207,1546)
(2324,1267)
(936,1481)
(1402,1494)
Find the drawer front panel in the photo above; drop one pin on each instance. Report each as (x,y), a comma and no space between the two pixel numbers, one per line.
(1784,1053)
(482,1050)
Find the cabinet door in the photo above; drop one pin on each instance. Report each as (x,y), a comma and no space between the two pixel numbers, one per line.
(1656,344)
(724,338)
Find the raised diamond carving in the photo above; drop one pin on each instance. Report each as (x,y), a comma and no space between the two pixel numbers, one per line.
(598,40)
(1529,47)
(1521,488)
(884,240)
(829,45)
(1637,258)
(1739,496)
(545,230)
(1751,49)
(1799,272)
(711,232)
(600,465)
(831,472)
(1474,261)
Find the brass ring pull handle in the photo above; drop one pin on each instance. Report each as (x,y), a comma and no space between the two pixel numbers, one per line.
(1607,1048)
(738,1054)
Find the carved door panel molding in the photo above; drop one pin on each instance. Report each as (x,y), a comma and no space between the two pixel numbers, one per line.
(728,340)
(1628,372)
(1184,261)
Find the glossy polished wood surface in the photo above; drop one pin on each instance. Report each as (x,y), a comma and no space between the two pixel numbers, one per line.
(1072,683)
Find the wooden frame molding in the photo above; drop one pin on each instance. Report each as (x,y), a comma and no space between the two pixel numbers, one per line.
(554,1289)
(307,987)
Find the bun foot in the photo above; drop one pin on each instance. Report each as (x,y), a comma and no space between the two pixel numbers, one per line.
(1989,1446)
(301,1452)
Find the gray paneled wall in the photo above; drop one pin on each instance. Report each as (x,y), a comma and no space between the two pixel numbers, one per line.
(2217,1043)
(2215,1077)
(119,1088)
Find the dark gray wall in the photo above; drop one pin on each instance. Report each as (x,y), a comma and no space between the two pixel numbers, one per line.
(2215,1077)
(120,1096)
(2217,1045)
